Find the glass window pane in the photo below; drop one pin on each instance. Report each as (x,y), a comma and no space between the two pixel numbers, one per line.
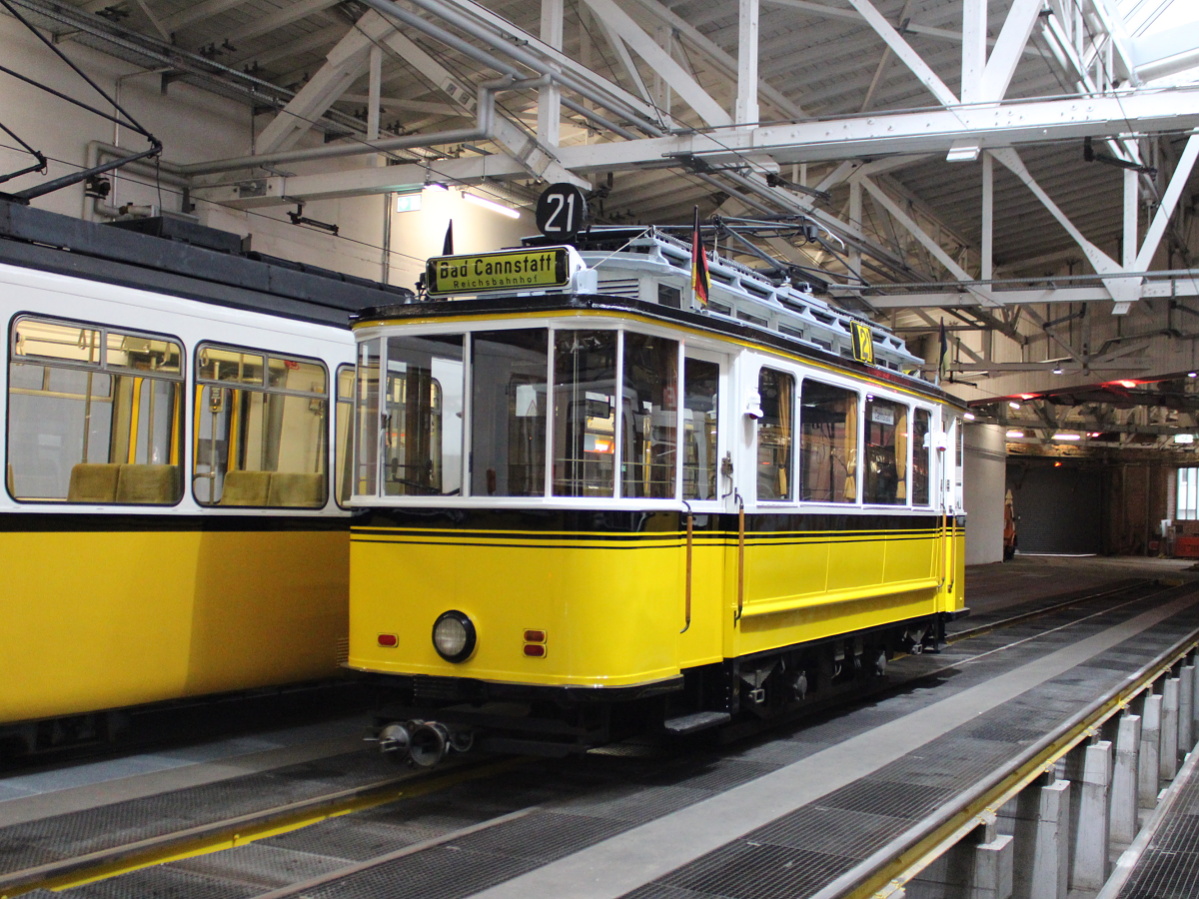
(828,443)
(345,383)
(776,429)
(343,466)
(701,402)
(296,375)
(886,452)
(651,413)
(922,442)
(508,409)
(584,413)
(1188,494)
(85,435)
(255,446)
(422,451)
(222,364)
(368,435)
(143,353)
(56,340)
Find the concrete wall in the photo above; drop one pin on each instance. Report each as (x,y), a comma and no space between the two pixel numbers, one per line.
(985,467)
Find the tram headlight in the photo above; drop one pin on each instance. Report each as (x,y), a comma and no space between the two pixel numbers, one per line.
(454,636)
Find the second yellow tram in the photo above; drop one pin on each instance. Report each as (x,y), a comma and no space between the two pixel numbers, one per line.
(593,504)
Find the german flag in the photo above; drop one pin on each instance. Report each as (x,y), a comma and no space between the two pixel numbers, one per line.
(700,282)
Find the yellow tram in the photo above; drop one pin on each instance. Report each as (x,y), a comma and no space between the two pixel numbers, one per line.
(174,521)
(594,504)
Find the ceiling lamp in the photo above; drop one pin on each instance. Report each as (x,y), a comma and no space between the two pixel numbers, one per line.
(491,204)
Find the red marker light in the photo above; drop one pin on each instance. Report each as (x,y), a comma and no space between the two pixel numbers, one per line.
(536,650)
(535,636)
(389,640)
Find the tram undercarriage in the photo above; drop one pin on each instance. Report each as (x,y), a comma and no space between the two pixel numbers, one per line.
(436,716)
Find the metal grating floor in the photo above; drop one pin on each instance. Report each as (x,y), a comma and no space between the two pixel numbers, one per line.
(1169,866)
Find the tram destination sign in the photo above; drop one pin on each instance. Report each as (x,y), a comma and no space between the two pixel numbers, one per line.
(534,268)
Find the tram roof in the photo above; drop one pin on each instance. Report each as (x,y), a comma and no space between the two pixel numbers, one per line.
(166,258)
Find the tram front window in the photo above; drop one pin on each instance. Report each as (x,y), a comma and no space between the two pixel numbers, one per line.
(585,413)
(422,416)
(649,438)
(508,403)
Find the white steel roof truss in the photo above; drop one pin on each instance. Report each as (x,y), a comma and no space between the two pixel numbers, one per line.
(616,20)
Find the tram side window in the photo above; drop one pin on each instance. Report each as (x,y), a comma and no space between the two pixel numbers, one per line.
(94,414)
(650,429)
(922,444)
(261,429)
(508,412)
(828,443)
(422,416)
(344,464)
(701,402)
(886,452)
(775,433)
(584,442)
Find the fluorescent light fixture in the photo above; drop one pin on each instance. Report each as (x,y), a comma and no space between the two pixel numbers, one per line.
(1184,438)
(1057,369)
(1014,435)
(969,416)
(408,202)
(1193,374)
(493,206)
(1062,435)
(436,186)
(1013,404)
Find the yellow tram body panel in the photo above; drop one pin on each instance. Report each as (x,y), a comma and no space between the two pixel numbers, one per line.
(604,606)
(108,619)
(614,609)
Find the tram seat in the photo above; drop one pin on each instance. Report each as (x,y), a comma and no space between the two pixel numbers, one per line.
(246,488)
(296,489)
(148,484)
(93,482)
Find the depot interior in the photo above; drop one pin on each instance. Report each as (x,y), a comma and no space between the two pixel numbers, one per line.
(1010,186)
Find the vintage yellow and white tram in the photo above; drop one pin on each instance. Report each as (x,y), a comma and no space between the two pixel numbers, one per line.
(176,435)
(596,504)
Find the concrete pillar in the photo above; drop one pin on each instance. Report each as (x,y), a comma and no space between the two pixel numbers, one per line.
(1169,738)
(1090,768)
(1124,779)
(1039,822)
(1149,766)
(980,866)
(1186,709)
